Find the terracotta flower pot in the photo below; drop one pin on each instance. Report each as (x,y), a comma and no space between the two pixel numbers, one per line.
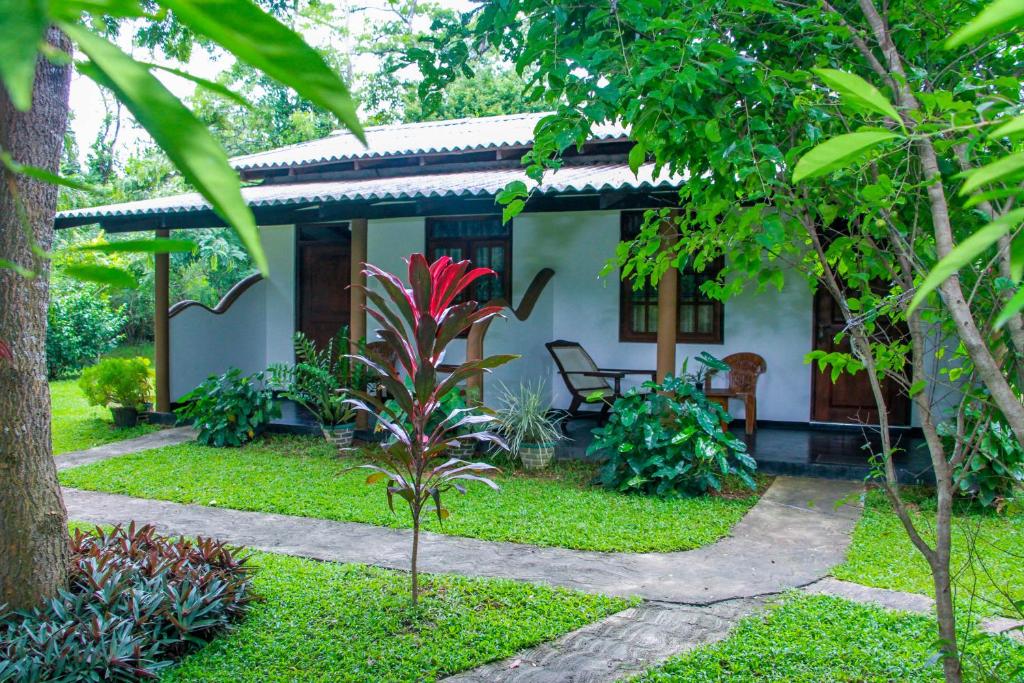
(535,456)
(124,417)
(339,435)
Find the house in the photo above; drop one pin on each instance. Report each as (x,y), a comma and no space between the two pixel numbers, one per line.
(326,205)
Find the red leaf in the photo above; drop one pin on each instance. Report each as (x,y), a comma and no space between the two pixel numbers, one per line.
(5,352)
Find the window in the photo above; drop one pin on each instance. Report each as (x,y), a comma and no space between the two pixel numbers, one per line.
(700,317)
(481,239)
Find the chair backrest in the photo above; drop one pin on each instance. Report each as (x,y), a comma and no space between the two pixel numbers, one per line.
(571,358)
(744,369)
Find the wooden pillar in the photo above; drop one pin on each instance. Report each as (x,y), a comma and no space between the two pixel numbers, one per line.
(357,295)
(161,328)
(668,310)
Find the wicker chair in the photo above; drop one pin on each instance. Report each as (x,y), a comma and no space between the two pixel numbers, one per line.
(583,378)
(744,369)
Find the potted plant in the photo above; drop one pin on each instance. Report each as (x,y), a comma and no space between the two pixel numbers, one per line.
(526,422)
(124,385)
(320,392)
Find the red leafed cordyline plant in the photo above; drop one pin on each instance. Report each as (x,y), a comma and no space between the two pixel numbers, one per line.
(418,322)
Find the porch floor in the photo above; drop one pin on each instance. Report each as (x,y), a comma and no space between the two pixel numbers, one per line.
(827,452)
(821,451)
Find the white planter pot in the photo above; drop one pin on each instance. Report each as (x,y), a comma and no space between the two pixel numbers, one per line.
(339,435)
(535,456)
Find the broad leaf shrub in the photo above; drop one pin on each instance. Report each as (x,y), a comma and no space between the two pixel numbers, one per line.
(229,410)
(993,471)
(81,327)
(136,601)
(667,440)
(126,382)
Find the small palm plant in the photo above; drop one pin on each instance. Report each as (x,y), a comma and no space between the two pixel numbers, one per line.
(418,322)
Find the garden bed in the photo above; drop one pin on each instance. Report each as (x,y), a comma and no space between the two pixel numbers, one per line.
(988,554)
(321,621)
(807,639)
(302,476)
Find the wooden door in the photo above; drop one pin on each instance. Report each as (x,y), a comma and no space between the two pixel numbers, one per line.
(324,278)
(849,399)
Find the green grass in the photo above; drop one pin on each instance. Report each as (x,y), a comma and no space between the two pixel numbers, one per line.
(808,639)
(302,476)
(320,621)
(881,554)
(145,349)
(77,425)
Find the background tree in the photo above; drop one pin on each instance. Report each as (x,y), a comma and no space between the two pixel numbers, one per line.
(830,137)
(38,41)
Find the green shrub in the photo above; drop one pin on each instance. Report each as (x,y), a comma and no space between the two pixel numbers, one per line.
(320,380)
(81,327)
(126,382)
(135,602)
(667,440)
(229,410)
(994,474)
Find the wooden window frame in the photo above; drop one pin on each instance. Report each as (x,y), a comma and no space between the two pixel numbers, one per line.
(468,243)
(628,334)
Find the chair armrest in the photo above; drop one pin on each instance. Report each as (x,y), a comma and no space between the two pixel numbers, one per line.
(598,373)
(626,371)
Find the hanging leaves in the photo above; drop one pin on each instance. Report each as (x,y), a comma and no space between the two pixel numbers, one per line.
(855,90)
(838,152)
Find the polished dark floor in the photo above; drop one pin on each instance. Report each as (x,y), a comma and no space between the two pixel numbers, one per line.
(807,451)
(796,450)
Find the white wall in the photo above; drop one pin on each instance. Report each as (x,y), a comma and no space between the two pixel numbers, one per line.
(253,333)
(580,306)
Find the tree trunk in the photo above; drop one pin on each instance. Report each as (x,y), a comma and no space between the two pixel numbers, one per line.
(943,586)
(34,552)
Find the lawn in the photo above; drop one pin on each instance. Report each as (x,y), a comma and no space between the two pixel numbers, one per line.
(808,639)
(881,555)
(321,621)
(77,425)
(302,476)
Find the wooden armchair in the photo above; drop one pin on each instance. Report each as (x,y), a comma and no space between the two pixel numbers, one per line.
(583,378)
(744,369)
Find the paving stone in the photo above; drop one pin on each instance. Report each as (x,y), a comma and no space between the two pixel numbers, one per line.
(158,439)
(621,645)
(790,538)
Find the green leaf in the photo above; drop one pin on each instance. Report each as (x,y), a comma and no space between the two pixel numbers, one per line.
(212,86)
(712,131)
(260,40)
(24,272)
(855,90)
(187,142)
(1000,169)
(22,29)
(105,275)
(837,152)
(511,210)
(1013,307)
(965,252)
(917,387)
(1012,127)
(1000,15)
(44,175)
(153,246)
(637,157)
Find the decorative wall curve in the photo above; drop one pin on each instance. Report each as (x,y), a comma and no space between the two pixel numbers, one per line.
(225,302)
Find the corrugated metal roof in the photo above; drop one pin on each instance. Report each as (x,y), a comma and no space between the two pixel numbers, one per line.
(480,183)
(430,137)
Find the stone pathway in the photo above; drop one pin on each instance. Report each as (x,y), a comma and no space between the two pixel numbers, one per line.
(796,532)
(906,602)
(157,439)
(789,539)
(624,644)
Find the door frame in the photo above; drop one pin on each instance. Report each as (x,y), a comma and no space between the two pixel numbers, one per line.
(344,237)
(904,414)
